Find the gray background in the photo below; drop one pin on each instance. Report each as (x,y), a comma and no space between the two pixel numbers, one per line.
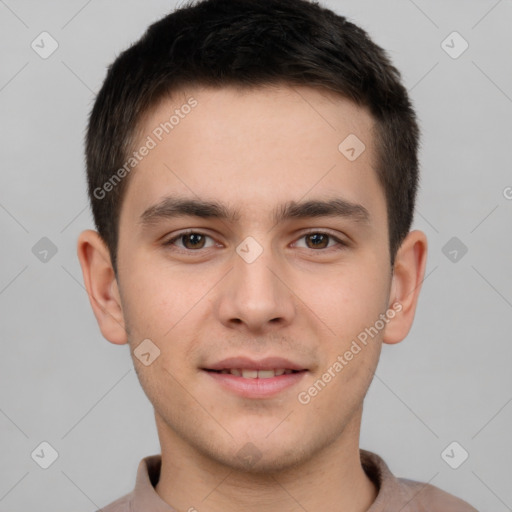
(61,382)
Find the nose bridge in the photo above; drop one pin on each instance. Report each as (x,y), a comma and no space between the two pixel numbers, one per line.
(254,293)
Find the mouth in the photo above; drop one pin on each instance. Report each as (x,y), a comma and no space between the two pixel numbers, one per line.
(255,374)
(249,378)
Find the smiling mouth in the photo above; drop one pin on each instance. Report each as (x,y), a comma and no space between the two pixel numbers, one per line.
(255,374)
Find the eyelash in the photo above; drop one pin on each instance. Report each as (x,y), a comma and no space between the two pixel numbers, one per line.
(339,246)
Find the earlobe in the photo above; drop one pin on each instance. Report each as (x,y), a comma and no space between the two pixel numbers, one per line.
(408,275)
(101,285)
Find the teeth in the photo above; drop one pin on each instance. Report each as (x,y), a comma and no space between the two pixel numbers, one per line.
(250,374)
(257,374)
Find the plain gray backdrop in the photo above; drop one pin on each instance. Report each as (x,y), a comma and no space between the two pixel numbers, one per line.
(63,384)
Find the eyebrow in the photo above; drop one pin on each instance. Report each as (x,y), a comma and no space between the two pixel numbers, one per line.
(171,207)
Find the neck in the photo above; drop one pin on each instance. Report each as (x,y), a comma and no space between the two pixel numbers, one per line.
(333,479)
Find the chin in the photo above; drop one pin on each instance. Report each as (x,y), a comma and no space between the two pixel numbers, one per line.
(254,461)
(259,453)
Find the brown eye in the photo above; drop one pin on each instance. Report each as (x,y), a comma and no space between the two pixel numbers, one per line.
(190,241)
(193,240)
(318,240)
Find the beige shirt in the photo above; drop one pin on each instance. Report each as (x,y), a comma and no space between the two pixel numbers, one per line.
(394,495)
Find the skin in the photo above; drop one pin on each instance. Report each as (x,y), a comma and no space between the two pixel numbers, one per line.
(253,150)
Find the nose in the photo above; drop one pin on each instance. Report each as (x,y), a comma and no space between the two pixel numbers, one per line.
(254,296)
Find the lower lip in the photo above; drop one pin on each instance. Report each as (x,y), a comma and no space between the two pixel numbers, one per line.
(256,388)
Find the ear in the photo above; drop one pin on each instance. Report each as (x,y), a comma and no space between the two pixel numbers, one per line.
(101,285)
(408,275)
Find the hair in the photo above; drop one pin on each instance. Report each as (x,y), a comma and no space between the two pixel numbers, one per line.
(251,43)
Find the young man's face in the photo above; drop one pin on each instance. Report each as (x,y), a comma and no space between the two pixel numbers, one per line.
(257,287)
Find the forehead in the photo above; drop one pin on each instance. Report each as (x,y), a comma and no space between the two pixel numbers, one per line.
(255,148)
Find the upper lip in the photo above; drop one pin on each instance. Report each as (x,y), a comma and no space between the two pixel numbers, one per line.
(246,363)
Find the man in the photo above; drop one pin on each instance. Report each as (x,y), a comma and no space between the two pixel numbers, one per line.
(252,170)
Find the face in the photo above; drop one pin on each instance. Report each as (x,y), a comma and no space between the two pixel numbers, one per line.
(231,275)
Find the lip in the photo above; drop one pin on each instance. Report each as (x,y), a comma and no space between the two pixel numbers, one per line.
(256,388)
(268,363)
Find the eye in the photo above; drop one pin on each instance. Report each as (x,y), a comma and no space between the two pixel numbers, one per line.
(190,241)
(193,241)
(320,240)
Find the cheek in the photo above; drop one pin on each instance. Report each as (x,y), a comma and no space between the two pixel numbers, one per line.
(350,300)
(163,305)
(157,298)
(350,306)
